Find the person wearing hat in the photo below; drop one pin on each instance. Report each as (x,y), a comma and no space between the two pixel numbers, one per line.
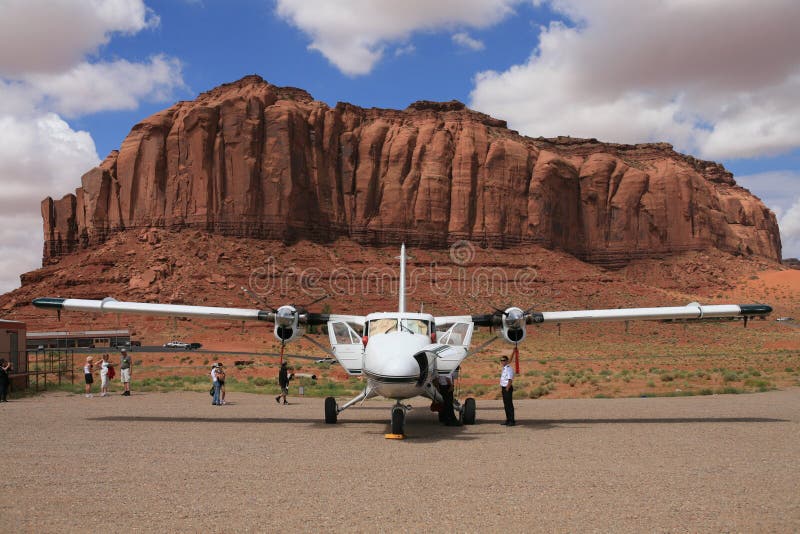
(125,373)
(215,382)
(507,387)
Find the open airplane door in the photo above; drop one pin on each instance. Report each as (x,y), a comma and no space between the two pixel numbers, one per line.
(456,344)
(347,346)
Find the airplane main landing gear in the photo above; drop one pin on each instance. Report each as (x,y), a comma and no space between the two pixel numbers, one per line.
(468,412)
(331,410)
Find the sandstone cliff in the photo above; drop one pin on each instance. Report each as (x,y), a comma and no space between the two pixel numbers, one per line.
(255,160)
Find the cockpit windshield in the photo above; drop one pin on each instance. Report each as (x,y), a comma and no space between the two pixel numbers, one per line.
(382,326)
(415,326)
(385,326)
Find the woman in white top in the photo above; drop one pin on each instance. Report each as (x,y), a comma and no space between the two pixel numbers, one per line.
(87,376)
(104,376)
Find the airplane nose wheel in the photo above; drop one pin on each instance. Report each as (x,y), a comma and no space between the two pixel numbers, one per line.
(398,420)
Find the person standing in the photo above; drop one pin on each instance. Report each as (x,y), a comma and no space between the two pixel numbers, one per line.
(88,377)
(445,386)
(283,382)
(125,373)
(507,387)
(5,367)
(104,364)
(221,380)
(215,382)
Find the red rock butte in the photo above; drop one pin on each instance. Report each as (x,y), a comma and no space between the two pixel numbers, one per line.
(255,160)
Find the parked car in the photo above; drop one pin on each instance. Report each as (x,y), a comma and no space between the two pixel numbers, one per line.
(195,346)
(326,360)
(177,345)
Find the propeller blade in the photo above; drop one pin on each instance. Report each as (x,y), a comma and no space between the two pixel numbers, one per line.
(258,300)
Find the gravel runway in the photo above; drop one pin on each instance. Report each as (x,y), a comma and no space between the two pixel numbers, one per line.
(171,462)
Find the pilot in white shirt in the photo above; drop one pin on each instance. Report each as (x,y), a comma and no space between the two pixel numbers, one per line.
(507,387)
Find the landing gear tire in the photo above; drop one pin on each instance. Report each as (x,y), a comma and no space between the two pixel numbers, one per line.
(331,411)
(468,413)
(398,418)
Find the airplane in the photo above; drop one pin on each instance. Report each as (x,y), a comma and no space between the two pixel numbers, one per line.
(401,354)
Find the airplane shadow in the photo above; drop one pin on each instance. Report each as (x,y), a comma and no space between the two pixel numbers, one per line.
(550,423)
(427,430)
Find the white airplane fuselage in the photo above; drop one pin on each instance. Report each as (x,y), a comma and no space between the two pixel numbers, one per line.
(390,367)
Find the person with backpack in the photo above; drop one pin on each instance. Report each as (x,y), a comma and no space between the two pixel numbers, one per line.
(216,385)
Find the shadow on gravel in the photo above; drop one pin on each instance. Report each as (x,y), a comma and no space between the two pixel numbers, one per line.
(547,423)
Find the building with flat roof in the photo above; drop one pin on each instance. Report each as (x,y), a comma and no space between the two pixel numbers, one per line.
(77,339)
(12,349)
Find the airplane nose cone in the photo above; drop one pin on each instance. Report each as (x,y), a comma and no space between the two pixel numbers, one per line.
(392,355)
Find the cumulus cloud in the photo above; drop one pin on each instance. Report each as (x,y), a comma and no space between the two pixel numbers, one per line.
(353,34)
(93,87)
(40,155)
(780,191)
(717,78)
(790,231)
(464,40)
(53,35)
(48,70)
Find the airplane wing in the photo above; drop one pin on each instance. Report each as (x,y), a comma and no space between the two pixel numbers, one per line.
(693,311)
(110,305)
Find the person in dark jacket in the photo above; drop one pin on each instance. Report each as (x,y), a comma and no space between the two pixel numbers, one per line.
(5,367)
(283,382)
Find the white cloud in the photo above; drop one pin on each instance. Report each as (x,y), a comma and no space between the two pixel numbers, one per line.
(718,78)
(93,87)
(780,191)
(45,73)
(790,231)
(53,35)
(40,155)
(464,40)
(353,34)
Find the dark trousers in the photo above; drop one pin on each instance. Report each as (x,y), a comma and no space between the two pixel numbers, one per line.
(4,390)
(508,403)
(447,406)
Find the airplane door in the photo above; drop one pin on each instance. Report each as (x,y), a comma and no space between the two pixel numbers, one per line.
(347,346)
(457,339)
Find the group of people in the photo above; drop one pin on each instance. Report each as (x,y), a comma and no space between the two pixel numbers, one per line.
(107,373)
(218,384)
(445,386)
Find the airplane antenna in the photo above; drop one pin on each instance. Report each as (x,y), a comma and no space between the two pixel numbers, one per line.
(402,289)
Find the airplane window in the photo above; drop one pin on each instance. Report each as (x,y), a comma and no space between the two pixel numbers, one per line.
(416,326)
(457,334)
(341,333)
(382,326)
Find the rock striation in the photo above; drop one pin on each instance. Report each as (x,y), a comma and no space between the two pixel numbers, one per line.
(254,160)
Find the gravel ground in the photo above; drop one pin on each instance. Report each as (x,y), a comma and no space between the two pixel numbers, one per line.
(172,462)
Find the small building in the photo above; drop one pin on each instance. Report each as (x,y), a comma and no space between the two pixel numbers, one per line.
(74,340)
(12,349)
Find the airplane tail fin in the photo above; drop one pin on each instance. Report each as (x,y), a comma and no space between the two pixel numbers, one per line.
(401,291)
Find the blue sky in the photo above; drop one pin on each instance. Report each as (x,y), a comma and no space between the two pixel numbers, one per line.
(716,78)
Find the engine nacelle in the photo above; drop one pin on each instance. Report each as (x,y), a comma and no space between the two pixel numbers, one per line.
(512,326)
(287,324)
